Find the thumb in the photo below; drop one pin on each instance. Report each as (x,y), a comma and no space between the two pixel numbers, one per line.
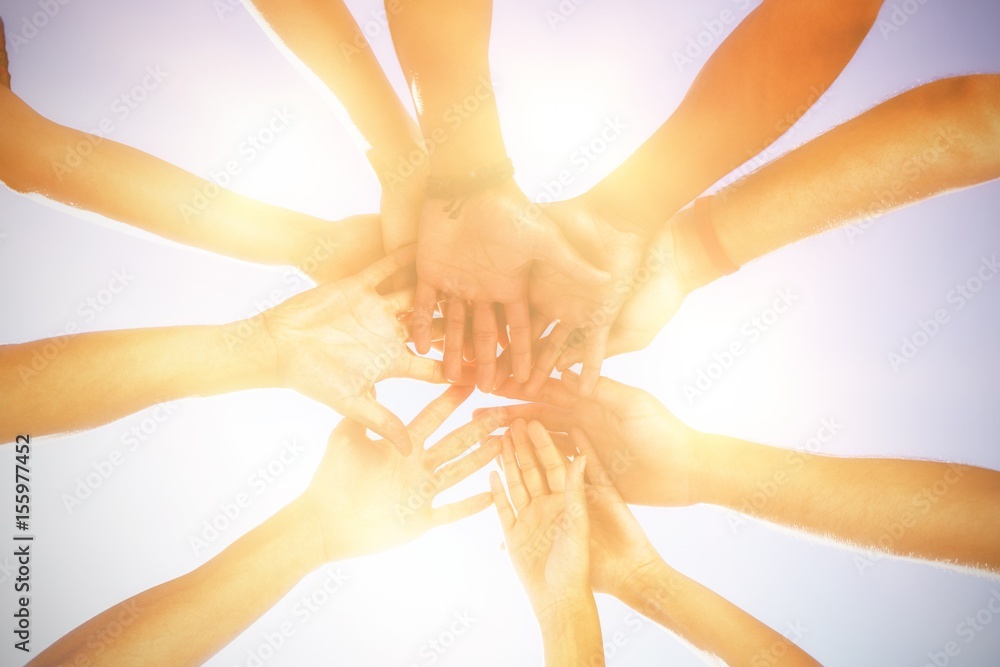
(373,415)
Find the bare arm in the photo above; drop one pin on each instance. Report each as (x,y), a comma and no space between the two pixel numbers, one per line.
(945,512)
(764,77)
(932,139)
(86,380)
(324,36)
(189,619)
(125,184)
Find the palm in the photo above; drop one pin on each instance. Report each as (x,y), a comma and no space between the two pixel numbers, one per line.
(546,556)
(484,253)
(387,499)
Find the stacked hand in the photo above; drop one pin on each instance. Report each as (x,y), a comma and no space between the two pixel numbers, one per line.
(649,454)
(365,497)
(585,313)
(481,249)
(334,342)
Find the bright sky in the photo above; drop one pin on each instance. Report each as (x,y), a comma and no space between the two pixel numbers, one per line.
(855,294)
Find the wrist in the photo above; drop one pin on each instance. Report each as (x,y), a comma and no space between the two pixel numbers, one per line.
(305,529)
(694,263)
(251,346)
(568,609)
(652,589)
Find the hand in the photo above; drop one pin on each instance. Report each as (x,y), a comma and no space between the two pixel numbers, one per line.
(366,498)
(649,454)
(664,279)
(547,531)
(403,177)
(334,342)
(585,313)
(484,255)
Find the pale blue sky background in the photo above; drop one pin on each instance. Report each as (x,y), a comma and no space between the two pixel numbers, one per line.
(558,86)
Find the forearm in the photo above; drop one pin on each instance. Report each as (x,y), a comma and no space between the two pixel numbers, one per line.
(444,50)
(932,139)
(127,185)
(189,619)
(325,37)
(86,380)
(572,635)
(924,509)
(762,78)
(707,621)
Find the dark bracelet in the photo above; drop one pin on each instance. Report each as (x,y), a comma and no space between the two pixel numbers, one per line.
(710,239)
(474,182)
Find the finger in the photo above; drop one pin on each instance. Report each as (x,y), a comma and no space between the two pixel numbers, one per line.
(401,301)
(531,469)
(554,419)
(454,338)
(519,324)
(376,417)
(609,393)
(463,509)
(349,430)
(515,484)
(437,328)
(453,473)
(553,391)
(422,320)
(461,439)
(504,511)
(501,314)
(484,336)
(560,254)
(552,462)
(576,498)
(504,369)
(415,367)
(468,346)
(388,265)
(551,347)
(437,412)
(564,444)
(594,344)
(597,474)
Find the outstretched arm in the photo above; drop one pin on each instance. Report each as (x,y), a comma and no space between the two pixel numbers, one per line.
(479,235)
(331,343)
(324,36)
(773,67)
(349,509)
(938,137)
(929,140)
(38,156)
(945,512)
